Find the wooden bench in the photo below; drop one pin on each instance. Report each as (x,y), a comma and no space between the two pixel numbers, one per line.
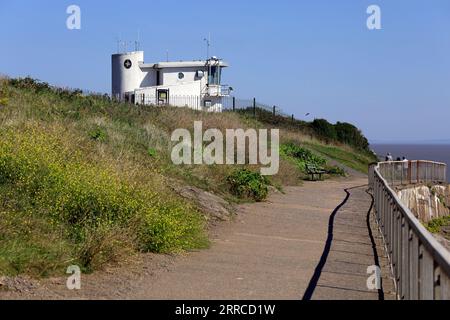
(313,171)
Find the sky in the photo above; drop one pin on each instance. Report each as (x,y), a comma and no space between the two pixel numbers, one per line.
(314,57)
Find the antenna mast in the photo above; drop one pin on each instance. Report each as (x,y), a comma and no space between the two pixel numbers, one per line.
(208,45)
(137,44)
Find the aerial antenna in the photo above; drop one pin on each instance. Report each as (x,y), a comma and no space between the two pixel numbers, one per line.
(208,45)
(137,44)
(119,42)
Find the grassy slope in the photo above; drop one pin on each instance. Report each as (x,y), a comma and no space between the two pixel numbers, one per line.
(344,155)
(85,181)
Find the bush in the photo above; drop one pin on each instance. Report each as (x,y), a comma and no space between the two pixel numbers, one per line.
(248,184)
(324,129)
(301,156)
(30,84)
(435,225)
(342,132)
(351,135)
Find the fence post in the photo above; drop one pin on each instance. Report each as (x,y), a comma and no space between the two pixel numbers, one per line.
(418,171)
(410,172)
(254,107)
(234,104)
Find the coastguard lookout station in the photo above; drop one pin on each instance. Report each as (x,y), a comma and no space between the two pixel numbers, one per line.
(193,84)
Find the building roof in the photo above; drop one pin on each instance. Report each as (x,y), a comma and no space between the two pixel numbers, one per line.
(179,64)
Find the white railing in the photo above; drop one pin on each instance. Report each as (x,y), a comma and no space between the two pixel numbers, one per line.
(420,264)
(413,172)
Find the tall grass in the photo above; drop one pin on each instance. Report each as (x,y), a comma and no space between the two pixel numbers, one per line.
(98,211)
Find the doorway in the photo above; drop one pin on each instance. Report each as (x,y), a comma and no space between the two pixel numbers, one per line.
(163,97)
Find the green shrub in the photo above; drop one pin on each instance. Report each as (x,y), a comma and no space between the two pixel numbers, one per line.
(98,134)
(324,129)
(435,225)
(301,156)
(351,135)
(342,132)
(152,152)
(40,87)
(248,184)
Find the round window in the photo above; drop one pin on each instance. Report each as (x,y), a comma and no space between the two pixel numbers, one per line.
(181,75)
(128,64)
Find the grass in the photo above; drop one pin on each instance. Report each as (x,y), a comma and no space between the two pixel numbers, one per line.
(87,181)
(356,160)
(99,211)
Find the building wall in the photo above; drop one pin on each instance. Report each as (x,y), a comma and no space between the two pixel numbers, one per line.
(148,78)
(180,95)
(123,79)
(170,75)
(179,90)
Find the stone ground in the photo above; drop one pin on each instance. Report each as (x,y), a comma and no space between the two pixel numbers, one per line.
(285,248)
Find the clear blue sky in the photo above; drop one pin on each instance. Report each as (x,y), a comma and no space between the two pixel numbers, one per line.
(304,56)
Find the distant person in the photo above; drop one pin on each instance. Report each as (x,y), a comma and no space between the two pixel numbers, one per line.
(405,166)
(389,157)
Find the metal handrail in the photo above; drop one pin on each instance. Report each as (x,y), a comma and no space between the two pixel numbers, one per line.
(419,263)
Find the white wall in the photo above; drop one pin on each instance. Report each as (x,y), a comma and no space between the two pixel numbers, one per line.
(170,75)
(126,80)
(181,95)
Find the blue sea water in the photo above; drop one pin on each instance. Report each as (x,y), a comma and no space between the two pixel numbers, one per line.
(434,152)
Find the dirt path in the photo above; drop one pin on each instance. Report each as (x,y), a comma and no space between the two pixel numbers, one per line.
(272,250)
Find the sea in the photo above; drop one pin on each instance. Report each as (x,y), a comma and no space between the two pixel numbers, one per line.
(434,152)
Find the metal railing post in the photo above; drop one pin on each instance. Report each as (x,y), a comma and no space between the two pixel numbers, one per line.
(420,264)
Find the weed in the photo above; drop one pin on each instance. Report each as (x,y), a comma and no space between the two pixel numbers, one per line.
(247,184)
(98,134)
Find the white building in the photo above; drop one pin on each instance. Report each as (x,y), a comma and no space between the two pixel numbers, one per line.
(193,84)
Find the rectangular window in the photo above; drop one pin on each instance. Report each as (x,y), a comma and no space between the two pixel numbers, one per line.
(214,75)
